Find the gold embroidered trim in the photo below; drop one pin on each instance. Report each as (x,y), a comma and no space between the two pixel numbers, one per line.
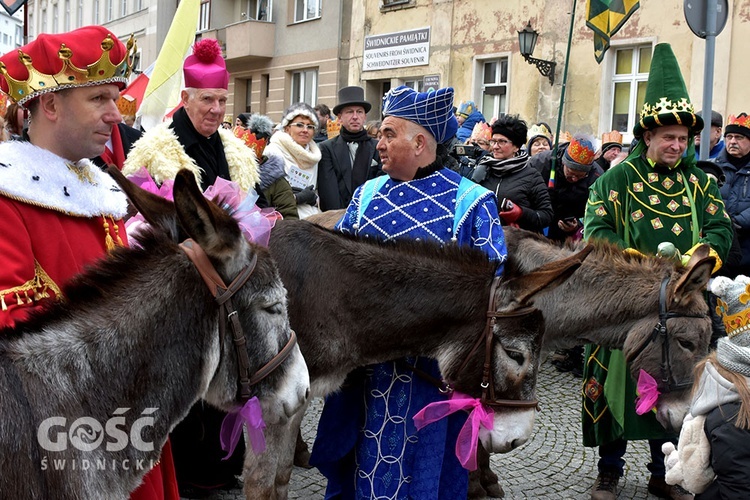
(37,288)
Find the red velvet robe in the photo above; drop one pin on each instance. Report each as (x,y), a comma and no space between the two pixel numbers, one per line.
(55,218)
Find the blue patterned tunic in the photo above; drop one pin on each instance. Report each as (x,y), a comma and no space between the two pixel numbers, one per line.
(367,445)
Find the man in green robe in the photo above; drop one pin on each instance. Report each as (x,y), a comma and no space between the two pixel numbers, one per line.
(655,195)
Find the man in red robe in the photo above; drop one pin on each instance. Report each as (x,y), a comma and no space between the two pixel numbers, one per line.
(58,211)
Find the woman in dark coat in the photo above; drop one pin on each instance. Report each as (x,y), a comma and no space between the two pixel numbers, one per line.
(522,195)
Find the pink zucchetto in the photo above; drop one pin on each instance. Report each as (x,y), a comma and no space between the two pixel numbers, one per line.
(205,68)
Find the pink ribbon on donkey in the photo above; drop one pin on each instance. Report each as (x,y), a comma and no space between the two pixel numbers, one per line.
(231,428)
(468,438)
(648,393)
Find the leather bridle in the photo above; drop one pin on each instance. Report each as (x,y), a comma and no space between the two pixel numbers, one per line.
(660,332)
(223,295)
(486,338)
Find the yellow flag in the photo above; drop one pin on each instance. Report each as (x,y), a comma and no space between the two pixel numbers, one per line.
(163,90)
(605,18)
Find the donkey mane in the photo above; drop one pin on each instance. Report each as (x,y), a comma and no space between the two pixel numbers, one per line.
(615,289)
(605,254)
(423,253)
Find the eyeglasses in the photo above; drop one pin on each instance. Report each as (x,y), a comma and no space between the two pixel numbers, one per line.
(481,142)
(734,137)
(574,175)
(499,142)
(301,125)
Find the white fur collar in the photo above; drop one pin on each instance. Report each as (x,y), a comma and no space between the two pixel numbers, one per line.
(304,157)
(161,153)
(38,177)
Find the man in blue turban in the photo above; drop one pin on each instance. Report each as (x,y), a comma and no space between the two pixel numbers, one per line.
(367,445)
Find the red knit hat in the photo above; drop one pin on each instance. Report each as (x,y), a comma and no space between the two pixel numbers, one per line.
(88,56)
(205,68)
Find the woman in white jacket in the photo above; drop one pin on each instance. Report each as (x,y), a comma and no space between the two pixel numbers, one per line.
(294,142)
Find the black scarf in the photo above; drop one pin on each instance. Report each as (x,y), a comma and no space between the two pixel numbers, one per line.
(362,159)
(498,168)
(208,152)
(441,160)
(738,162)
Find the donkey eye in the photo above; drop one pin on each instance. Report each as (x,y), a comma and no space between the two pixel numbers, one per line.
(275,308)
(686,344)
(516,356)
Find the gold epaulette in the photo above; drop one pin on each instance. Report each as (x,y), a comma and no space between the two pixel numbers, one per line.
(37,288)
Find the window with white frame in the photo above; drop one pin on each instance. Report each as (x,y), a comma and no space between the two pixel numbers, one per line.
(123,8)
(19,34)
(97,12)
(31,27)
(306,9)
(416,84)
(80,14)
(493,87)
(204,18)
(44,21)
(305,86)
(138,5)
(66,21)
(629,79)
(110,9)
(259,10)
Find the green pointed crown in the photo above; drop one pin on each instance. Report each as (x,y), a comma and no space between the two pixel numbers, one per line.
(667,101)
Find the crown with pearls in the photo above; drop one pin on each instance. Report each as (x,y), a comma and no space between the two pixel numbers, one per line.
(732,306)
(52,62)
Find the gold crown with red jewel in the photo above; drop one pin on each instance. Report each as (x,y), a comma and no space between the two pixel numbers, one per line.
(83,57)
(251,140)
(739,124)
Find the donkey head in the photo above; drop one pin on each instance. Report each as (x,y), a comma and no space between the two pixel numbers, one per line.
(260,303)
(514,352)
(669,342)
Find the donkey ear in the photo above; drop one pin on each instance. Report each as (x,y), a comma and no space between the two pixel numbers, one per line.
(547,277)
(695,279)
(701,252)
(214,230)
(158,211)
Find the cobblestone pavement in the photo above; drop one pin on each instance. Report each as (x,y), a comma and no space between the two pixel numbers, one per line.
(552,465)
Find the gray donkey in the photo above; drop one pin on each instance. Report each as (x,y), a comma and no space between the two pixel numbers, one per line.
(91,387)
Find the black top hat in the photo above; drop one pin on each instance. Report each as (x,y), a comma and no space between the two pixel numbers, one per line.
(351,96)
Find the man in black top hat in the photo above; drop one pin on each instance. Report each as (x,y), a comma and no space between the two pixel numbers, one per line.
(350,158)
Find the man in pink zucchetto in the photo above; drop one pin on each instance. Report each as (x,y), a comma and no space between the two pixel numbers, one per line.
(195,140)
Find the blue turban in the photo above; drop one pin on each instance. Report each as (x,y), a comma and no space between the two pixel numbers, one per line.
(433,110)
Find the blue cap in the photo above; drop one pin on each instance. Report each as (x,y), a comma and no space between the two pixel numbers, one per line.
(433,109)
